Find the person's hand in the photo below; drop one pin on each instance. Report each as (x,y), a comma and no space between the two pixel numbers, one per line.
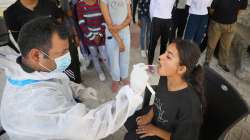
(97,39)
(88,93)
(114,28)
(121,46)
(139,23)
(147,130)
(139,78)
(143,120)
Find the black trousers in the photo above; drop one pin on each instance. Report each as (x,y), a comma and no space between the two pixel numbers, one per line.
(179,23)
(159,28)
(131,126)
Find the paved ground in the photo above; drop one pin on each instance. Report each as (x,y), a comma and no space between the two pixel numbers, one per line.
(240,132)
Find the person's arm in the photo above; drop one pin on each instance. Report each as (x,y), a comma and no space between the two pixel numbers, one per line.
(152,130)
(125,23)
(128,19)
(107,18)
(212,7)
(55,116)
(82,92)
(145,119)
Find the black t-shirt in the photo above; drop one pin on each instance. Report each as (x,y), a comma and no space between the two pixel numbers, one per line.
(226,11)
(17,15)
(178,112)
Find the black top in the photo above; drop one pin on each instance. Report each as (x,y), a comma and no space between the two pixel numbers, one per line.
(178,112)
(226,11)
(17,15)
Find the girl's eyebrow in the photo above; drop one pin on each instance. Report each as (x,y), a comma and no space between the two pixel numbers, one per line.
(169,52)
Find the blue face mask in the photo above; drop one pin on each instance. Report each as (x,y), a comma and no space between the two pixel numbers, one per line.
(62,62)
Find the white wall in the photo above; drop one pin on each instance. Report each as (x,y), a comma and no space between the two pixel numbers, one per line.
(4,4)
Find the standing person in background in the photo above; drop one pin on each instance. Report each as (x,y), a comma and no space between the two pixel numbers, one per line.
(222,27)
(197,20)
(179,14)
(117,14)
(161,14)
(23,11)
(144,23)
(92,24)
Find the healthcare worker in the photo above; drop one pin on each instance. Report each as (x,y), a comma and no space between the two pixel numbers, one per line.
(38,100)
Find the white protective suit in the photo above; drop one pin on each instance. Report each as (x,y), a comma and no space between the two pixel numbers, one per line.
(40,106)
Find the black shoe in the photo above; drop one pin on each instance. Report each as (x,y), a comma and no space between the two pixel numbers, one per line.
(224,67)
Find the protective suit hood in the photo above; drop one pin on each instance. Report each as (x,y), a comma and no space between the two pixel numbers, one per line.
(15,72)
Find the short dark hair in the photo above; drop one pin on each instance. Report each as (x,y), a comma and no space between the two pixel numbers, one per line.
(37,33)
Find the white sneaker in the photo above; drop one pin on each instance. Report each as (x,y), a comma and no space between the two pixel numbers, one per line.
(143,54)
(102,77)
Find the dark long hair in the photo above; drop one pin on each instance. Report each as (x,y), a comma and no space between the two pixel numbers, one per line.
(189,54)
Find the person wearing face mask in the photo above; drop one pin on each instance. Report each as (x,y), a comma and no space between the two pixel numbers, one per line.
(179,100)
(38,100)
(22,11)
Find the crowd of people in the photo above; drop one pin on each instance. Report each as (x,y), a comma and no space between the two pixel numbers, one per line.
(44,98)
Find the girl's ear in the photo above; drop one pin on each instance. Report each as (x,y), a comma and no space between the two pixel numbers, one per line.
(182,69)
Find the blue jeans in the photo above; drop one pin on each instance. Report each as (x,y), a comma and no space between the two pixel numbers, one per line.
(119,61)
(196,28)
(145,31)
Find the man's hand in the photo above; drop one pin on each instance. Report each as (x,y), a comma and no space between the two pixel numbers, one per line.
(139,78)
(147,130)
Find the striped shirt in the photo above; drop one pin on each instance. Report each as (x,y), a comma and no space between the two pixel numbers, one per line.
(91,22)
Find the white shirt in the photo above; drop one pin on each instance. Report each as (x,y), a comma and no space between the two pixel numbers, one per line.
(161,8)
(199,7)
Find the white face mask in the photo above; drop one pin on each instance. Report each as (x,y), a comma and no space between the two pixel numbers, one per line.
(62,62)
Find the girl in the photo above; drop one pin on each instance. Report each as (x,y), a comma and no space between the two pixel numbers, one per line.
(117,14)
(92,24)
(179,102)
